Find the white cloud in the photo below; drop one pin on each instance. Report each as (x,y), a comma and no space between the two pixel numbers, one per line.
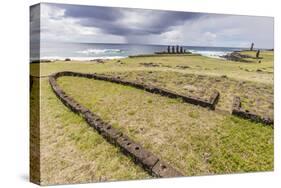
(56,27)
(230,31)
(208,30)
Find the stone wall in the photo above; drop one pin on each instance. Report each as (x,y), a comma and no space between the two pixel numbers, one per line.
(149,88)
(239,111)
(150,162)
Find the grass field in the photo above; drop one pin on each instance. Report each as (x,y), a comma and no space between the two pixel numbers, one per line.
(192,139)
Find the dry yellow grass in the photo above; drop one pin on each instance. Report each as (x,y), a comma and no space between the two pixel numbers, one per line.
(187,136)
(72,152)
(256,97)
(193,139)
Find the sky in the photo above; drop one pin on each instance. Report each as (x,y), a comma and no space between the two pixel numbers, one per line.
(93,24)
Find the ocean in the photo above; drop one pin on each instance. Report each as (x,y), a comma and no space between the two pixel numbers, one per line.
(90,51)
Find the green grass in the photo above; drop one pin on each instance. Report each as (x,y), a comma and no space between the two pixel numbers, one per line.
(194,140)
(197,64)
(261,94)
(257,141)
(179,133)
(72,152)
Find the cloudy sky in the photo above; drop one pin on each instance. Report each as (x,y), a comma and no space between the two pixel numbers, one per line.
(91,24)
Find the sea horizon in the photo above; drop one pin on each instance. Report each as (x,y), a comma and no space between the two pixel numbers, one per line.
(91,51)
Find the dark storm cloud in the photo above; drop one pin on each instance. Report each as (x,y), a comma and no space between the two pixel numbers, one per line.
(34,21)
(126,25)
(96,12)
(34,32)
(107,19)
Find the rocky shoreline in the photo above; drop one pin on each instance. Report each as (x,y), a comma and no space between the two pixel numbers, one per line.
(238,56)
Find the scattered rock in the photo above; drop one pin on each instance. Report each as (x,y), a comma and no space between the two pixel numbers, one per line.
(236,56)
(149,64)
(182,66)
(120,62)
(217,80)
(100,61)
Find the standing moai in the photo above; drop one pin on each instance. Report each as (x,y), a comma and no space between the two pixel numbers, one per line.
(258,54)
(177,49)
(168,49)
(181,49)
(252,46)
(173,49)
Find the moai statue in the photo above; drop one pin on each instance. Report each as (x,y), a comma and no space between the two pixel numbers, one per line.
(181,50)
(184,51)
(252,46)
(168,49)
(258,54)
(173,49)
(177,49)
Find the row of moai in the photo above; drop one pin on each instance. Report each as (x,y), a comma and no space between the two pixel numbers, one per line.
(176,50)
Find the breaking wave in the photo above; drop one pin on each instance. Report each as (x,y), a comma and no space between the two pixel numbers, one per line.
(213,54)
(100,51)
(54,58)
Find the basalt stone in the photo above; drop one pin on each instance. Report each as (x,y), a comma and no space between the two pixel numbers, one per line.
(88,116)
(196,101)
(236,56)
(246,114)
(145,158)
(138,153)
(214,99)
(236,103)
(71,105)
(149,88)
(163,170)
(52,79)
(110,133)
(141,156)
(148,160)
(165,92)
(89,76)
(124,142)
(154,89)
(84,110)
(100,125)
(268,121)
